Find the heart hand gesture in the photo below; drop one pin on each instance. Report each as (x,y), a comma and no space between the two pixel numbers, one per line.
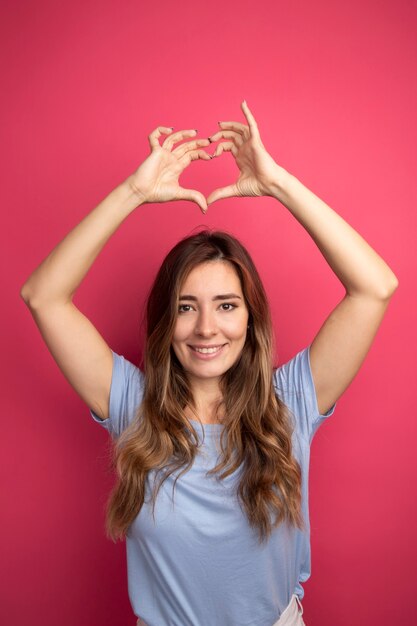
(156,179)
(258,170)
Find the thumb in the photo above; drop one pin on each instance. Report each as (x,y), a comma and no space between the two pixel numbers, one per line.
(194,196)
(221,193)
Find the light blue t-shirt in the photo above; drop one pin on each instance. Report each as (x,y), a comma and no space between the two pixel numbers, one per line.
(200,564)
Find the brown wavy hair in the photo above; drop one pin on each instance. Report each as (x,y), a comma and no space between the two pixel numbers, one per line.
(257,430)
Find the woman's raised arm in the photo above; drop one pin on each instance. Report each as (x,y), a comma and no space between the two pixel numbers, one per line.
(77,347)
(346,336)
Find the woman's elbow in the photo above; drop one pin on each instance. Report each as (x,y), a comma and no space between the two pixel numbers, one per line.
(390,287)
(27,295)
(24,293)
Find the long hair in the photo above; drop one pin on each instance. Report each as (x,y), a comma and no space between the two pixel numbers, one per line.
(256,437)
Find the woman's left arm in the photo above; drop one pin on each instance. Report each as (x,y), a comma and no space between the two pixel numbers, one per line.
(340,346)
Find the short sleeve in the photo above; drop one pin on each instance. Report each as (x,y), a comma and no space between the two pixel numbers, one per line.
(295,387)
(126,393)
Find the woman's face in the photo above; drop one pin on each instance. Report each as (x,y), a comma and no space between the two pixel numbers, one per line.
(212,321)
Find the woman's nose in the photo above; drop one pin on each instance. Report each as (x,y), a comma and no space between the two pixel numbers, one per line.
(206,325)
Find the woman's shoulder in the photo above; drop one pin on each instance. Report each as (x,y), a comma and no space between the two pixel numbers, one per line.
(126,392)
(294,385)
(291,371)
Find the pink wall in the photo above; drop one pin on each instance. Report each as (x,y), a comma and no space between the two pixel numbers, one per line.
(333,88)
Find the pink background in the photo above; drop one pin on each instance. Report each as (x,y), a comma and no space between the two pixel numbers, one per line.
(333,87)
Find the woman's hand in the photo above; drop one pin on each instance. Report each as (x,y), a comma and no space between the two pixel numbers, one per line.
(259,173)
(156,179)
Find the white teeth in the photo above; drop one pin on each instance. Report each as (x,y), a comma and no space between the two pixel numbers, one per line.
(207,350)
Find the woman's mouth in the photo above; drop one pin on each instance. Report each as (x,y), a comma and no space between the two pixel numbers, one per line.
(206,352)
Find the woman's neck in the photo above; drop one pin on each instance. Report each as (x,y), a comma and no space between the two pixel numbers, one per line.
(207,399)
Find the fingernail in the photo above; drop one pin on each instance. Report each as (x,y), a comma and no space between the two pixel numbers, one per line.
(210,140)
(220,122)
(171,127)
(196,130)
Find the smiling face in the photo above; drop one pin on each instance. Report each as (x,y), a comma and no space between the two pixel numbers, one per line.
(212,321)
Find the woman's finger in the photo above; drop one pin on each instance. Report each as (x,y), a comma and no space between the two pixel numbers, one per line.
(223,192)
(236,126)
(253,126)
(227,134)
(178,136)
(155,134)
(190,145)
(194,155)
(226,146)
(194,196)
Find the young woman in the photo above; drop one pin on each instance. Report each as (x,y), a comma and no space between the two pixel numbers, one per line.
(211,442)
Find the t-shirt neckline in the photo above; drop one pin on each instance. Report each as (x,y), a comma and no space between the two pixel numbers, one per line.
(211,429)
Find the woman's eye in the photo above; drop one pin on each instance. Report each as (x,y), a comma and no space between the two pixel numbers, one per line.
(184,308)
(225,306)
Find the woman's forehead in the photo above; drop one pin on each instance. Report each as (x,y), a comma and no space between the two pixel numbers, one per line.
(212,276)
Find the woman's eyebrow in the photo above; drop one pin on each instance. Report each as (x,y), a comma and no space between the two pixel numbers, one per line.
(224,296)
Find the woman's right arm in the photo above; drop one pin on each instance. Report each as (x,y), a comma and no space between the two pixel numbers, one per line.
(81,353)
